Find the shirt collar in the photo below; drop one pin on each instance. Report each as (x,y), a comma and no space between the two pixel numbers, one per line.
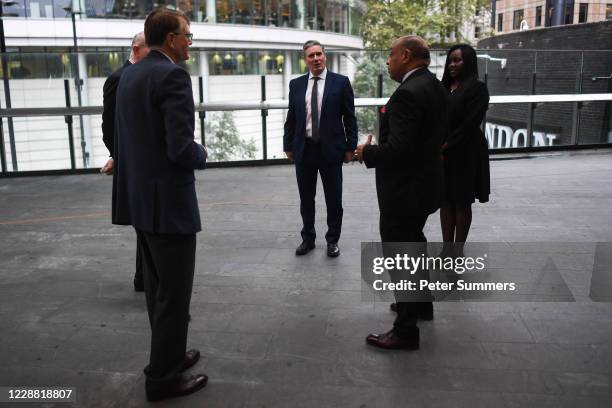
(165,55)
(410,73)
(322,75)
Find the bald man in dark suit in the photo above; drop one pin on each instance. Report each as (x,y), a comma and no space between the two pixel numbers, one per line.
(408,176)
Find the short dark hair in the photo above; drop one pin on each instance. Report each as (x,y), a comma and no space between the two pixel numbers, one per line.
(160,22)
(312,43)
(470,64)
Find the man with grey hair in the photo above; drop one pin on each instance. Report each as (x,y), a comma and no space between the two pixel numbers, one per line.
(320,133)
(408,177)
(138,52)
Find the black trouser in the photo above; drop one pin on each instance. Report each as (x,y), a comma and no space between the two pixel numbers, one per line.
(168,266)
(409,229)
(306,171)
(138,278)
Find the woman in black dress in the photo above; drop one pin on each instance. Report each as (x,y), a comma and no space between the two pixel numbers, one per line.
(465,150)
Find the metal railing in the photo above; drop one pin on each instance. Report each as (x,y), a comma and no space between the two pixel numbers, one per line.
(533,102)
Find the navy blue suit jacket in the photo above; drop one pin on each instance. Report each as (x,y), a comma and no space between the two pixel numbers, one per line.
(337,124)
(156,150)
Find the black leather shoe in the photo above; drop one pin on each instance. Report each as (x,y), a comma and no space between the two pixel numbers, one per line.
(425,313)
(333,250)
(191,357)
(304,248)
(390,341)
(184,386)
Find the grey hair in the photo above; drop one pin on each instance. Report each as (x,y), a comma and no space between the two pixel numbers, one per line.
(312,43)
(139,39)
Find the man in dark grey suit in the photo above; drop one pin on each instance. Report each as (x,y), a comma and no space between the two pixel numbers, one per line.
(408,174)
(155,184)
(138,52)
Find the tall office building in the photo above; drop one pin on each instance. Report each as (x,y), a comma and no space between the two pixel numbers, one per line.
(513,15)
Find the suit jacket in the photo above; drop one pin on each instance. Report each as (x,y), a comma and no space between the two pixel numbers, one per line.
(407,159)
(337,123)
(109,92)
(154,125)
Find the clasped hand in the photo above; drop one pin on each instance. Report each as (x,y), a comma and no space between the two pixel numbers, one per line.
(359,151)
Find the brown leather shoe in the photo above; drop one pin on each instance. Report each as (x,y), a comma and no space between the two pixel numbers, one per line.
(191,357)
(185,385)
(391,342)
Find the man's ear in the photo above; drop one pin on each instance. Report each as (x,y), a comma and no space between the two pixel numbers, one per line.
(407,55)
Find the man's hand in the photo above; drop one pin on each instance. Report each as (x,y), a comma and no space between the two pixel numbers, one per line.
(359,150)
(108,167)
(348,156)
(289,155)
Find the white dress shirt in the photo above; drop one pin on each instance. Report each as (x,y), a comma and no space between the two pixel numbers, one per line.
(407,74)
(320,89)
(165,55)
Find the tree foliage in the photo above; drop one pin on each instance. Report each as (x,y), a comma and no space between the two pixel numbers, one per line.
(365,85)
(438,21)
(223,141)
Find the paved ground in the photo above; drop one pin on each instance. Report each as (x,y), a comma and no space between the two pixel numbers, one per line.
(281,331)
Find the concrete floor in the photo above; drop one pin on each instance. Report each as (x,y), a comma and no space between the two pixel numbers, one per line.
(276,330)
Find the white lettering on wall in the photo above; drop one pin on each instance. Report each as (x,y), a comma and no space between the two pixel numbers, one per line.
(501,136)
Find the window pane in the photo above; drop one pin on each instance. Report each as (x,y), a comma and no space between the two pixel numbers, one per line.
(583,14)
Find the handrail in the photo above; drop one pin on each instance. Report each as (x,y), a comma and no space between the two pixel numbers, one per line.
(283,104)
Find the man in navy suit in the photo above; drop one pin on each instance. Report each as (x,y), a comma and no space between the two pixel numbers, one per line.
(155,187)
(139,51)
(320,133)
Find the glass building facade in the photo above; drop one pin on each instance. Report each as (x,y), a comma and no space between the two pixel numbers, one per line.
(338,16)
(46,62)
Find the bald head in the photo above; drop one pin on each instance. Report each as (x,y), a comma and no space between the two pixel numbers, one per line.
(407,53)
(139,39)
(418,47)
(139,48)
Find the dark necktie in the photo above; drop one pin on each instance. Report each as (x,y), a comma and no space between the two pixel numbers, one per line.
(314,110)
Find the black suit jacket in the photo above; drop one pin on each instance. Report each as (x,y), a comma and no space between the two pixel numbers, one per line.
(109,92)
(155,147)
(407,159)
(337,124)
